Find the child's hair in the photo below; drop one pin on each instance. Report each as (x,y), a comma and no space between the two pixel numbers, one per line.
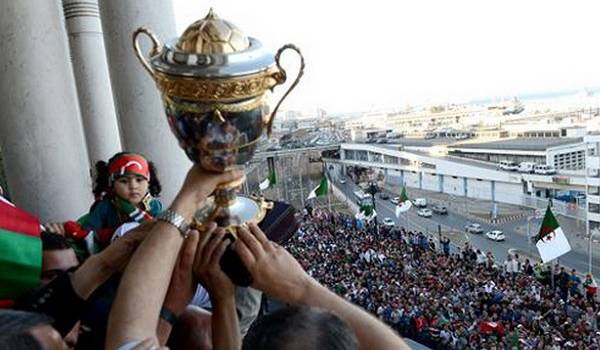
(102,184)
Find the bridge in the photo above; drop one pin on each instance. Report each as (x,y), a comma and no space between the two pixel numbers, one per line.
(262,155)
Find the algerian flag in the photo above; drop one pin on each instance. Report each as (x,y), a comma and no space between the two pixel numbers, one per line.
(551,242)
(20,251)
(320,190)
(366,212)
(269,181)
(405,203)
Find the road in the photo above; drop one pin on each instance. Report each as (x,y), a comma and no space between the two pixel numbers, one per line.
(456,221)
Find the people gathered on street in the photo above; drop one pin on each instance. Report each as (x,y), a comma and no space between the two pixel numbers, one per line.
(459,298)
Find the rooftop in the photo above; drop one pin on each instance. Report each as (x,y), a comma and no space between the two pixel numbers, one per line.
(522,144)
(414,142)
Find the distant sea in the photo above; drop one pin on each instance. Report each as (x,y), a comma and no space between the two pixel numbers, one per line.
(536,96)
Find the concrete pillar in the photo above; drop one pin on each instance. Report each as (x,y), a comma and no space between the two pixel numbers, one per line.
(140,110)
(41,135)
(91,76)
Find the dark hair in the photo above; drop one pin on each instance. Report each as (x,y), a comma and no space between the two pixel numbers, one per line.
(15,326)
(22,341)
(300,328)
(54,241)
(101,183)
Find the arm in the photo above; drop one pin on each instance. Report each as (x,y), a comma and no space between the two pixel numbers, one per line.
(182,286)
(64,298)
(134,315)
(225,324)
(278,274)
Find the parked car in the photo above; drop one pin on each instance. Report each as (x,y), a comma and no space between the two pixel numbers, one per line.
(395,200)
(544,169)
(384,195)
(420,202)
(426,213)
(474,228)
(526,167)
(388,222)
(495,235)
(508,165)
(439,209)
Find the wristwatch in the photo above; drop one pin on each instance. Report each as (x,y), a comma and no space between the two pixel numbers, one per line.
(176,220)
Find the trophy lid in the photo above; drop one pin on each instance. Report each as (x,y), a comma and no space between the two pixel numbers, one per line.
(212,35)
(212,48)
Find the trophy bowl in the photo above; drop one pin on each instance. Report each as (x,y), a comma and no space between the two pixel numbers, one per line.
(214,82)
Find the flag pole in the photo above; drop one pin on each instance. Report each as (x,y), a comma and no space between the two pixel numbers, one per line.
(329,197)
(300,179)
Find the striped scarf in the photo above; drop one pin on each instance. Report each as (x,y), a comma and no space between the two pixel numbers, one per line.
(131,211)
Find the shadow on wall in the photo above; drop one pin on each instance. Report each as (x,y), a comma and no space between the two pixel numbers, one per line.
(3,186)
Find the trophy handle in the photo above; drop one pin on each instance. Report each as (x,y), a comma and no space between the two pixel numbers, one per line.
(156,48)
(280,77)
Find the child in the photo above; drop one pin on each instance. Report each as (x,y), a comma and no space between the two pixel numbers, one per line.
(125,191)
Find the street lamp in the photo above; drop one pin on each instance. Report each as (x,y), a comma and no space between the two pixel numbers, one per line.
(372,190)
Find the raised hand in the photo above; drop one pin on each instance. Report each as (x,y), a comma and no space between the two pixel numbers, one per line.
(274,270)
(207,269)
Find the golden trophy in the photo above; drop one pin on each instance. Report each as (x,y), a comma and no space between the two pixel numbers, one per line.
(214,82)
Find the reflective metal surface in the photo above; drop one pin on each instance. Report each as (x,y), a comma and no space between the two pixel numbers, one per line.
(214,81)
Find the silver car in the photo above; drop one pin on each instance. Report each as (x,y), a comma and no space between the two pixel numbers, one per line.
(426,213)
(474,228)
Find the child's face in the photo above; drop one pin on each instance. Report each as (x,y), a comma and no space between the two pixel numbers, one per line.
(132,188)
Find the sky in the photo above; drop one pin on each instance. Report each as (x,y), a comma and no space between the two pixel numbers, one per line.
(367,55)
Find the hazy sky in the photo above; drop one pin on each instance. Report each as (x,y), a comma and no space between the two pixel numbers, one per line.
(379,53)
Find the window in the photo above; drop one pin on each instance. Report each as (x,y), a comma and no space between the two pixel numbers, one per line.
(594,190)
(594,208)
(594,226)
(593,172)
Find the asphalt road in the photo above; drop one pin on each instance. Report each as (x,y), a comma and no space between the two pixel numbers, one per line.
(457,222)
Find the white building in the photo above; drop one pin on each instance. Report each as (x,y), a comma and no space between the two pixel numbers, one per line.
(593,182)
(470,178)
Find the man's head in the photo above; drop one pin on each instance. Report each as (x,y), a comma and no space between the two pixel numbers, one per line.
(28,331)
(57,256)
(300,328)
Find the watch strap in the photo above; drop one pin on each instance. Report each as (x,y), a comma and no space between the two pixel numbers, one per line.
(176,220)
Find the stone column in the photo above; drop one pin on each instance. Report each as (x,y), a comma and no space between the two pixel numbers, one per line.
(93,82)
(143,123)
(40,128)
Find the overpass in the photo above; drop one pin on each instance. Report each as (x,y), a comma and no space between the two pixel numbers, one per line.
(460,177)
(261,155)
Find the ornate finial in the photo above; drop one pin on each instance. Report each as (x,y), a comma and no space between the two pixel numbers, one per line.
(212,35)
(211,14)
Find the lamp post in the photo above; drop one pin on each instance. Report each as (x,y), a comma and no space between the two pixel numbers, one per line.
(372,190)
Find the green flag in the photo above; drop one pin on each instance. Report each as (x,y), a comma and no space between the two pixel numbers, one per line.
(269,181)
(366,209)
(403,195)
(551,241)
(320,190)
(404,205)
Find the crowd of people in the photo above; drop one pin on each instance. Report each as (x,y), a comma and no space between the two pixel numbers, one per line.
(132,274)
(448,298)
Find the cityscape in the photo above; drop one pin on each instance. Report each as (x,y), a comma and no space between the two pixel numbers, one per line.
(299,175)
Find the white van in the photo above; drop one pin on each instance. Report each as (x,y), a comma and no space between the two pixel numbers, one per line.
(544,169)
(508,165)
(420,202)
(527,167)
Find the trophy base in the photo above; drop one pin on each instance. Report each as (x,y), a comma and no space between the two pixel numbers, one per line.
(240,210)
